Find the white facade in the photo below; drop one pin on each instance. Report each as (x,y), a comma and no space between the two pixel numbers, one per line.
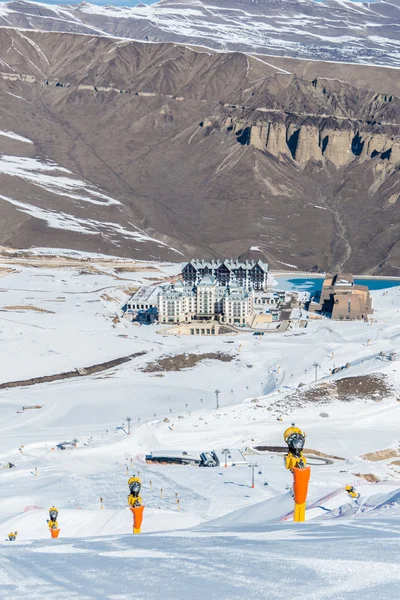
(238,307)
(206,301)
(176,304)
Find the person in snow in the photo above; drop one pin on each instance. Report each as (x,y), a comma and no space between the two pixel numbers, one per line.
(12,535)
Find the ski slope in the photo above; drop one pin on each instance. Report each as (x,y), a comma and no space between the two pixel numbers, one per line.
(224,539)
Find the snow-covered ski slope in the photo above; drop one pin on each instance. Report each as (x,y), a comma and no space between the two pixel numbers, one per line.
(227,540)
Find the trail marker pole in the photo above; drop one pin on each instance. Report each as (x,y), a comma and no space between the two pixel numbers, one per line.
(217,393)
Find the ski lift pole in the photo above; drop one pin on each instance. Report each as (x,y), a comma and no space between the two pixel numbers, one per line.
(226,452)
(253,466)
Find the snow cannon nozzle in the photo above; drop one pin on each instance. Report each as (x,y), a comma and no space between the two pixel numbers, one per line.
(135,486)
(295,438)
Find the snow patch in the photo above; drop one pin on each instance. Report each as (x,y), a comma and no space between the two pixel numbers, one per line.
(48,177)
(15,136)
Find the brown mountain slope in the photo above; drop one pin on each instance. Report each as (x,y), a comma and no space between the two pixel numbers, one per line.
(170,149)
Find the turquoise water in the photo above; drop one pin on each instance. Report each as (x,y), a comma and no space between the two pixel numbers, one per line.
(310,284)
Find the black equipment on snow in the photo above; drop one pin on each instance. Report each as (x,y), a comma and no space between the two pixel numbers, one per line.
(295,443)
(134,488)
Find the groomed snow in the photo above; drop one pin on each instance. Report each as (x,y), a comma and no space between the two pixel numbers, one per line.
(227,540)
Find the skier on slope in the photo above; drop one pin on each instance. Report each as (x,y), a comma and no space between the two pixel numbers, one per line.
(12,535)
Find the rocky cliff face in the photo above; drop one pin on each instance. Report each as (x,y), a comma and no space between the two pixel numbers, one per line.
(316,122)
(314,142)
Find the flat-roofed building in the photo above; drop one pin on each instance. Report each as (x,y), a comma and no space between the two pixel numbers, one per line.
(144,299)
(342,299)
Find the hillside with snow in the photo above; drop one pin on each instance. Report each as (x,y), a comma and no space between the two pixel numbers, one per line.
(60,316)
(344,31)
(164,151)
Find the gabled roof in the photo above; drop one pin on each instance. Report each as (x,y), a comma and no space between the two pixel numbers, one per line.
(229,263)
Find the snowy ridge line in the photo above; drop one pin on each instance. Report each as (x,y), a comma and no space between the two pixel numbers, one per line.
(252,51)
(255,30)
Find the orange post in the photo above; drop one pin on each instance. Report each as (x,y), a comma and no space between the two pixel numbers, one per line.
(137,512)
(55,532)
(301,477)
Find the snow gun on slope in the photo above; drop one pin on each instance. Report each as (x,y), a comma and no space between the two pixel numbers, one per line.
(135,502)
(295,461)
(52,522)
(352,492)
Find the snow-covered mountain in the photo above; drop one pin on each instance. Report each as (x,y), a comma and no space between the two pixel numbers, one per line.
(338,30)
(146,149)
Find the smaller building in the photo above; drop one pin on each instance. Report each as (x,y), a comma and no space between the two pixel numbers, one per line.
(144,299)
(266,299)
(342,299)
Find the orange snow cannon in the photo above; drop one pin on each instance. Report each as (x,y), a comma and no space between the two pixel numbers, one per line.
(137,512)
(295,461)
(301,477)
(54,533)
